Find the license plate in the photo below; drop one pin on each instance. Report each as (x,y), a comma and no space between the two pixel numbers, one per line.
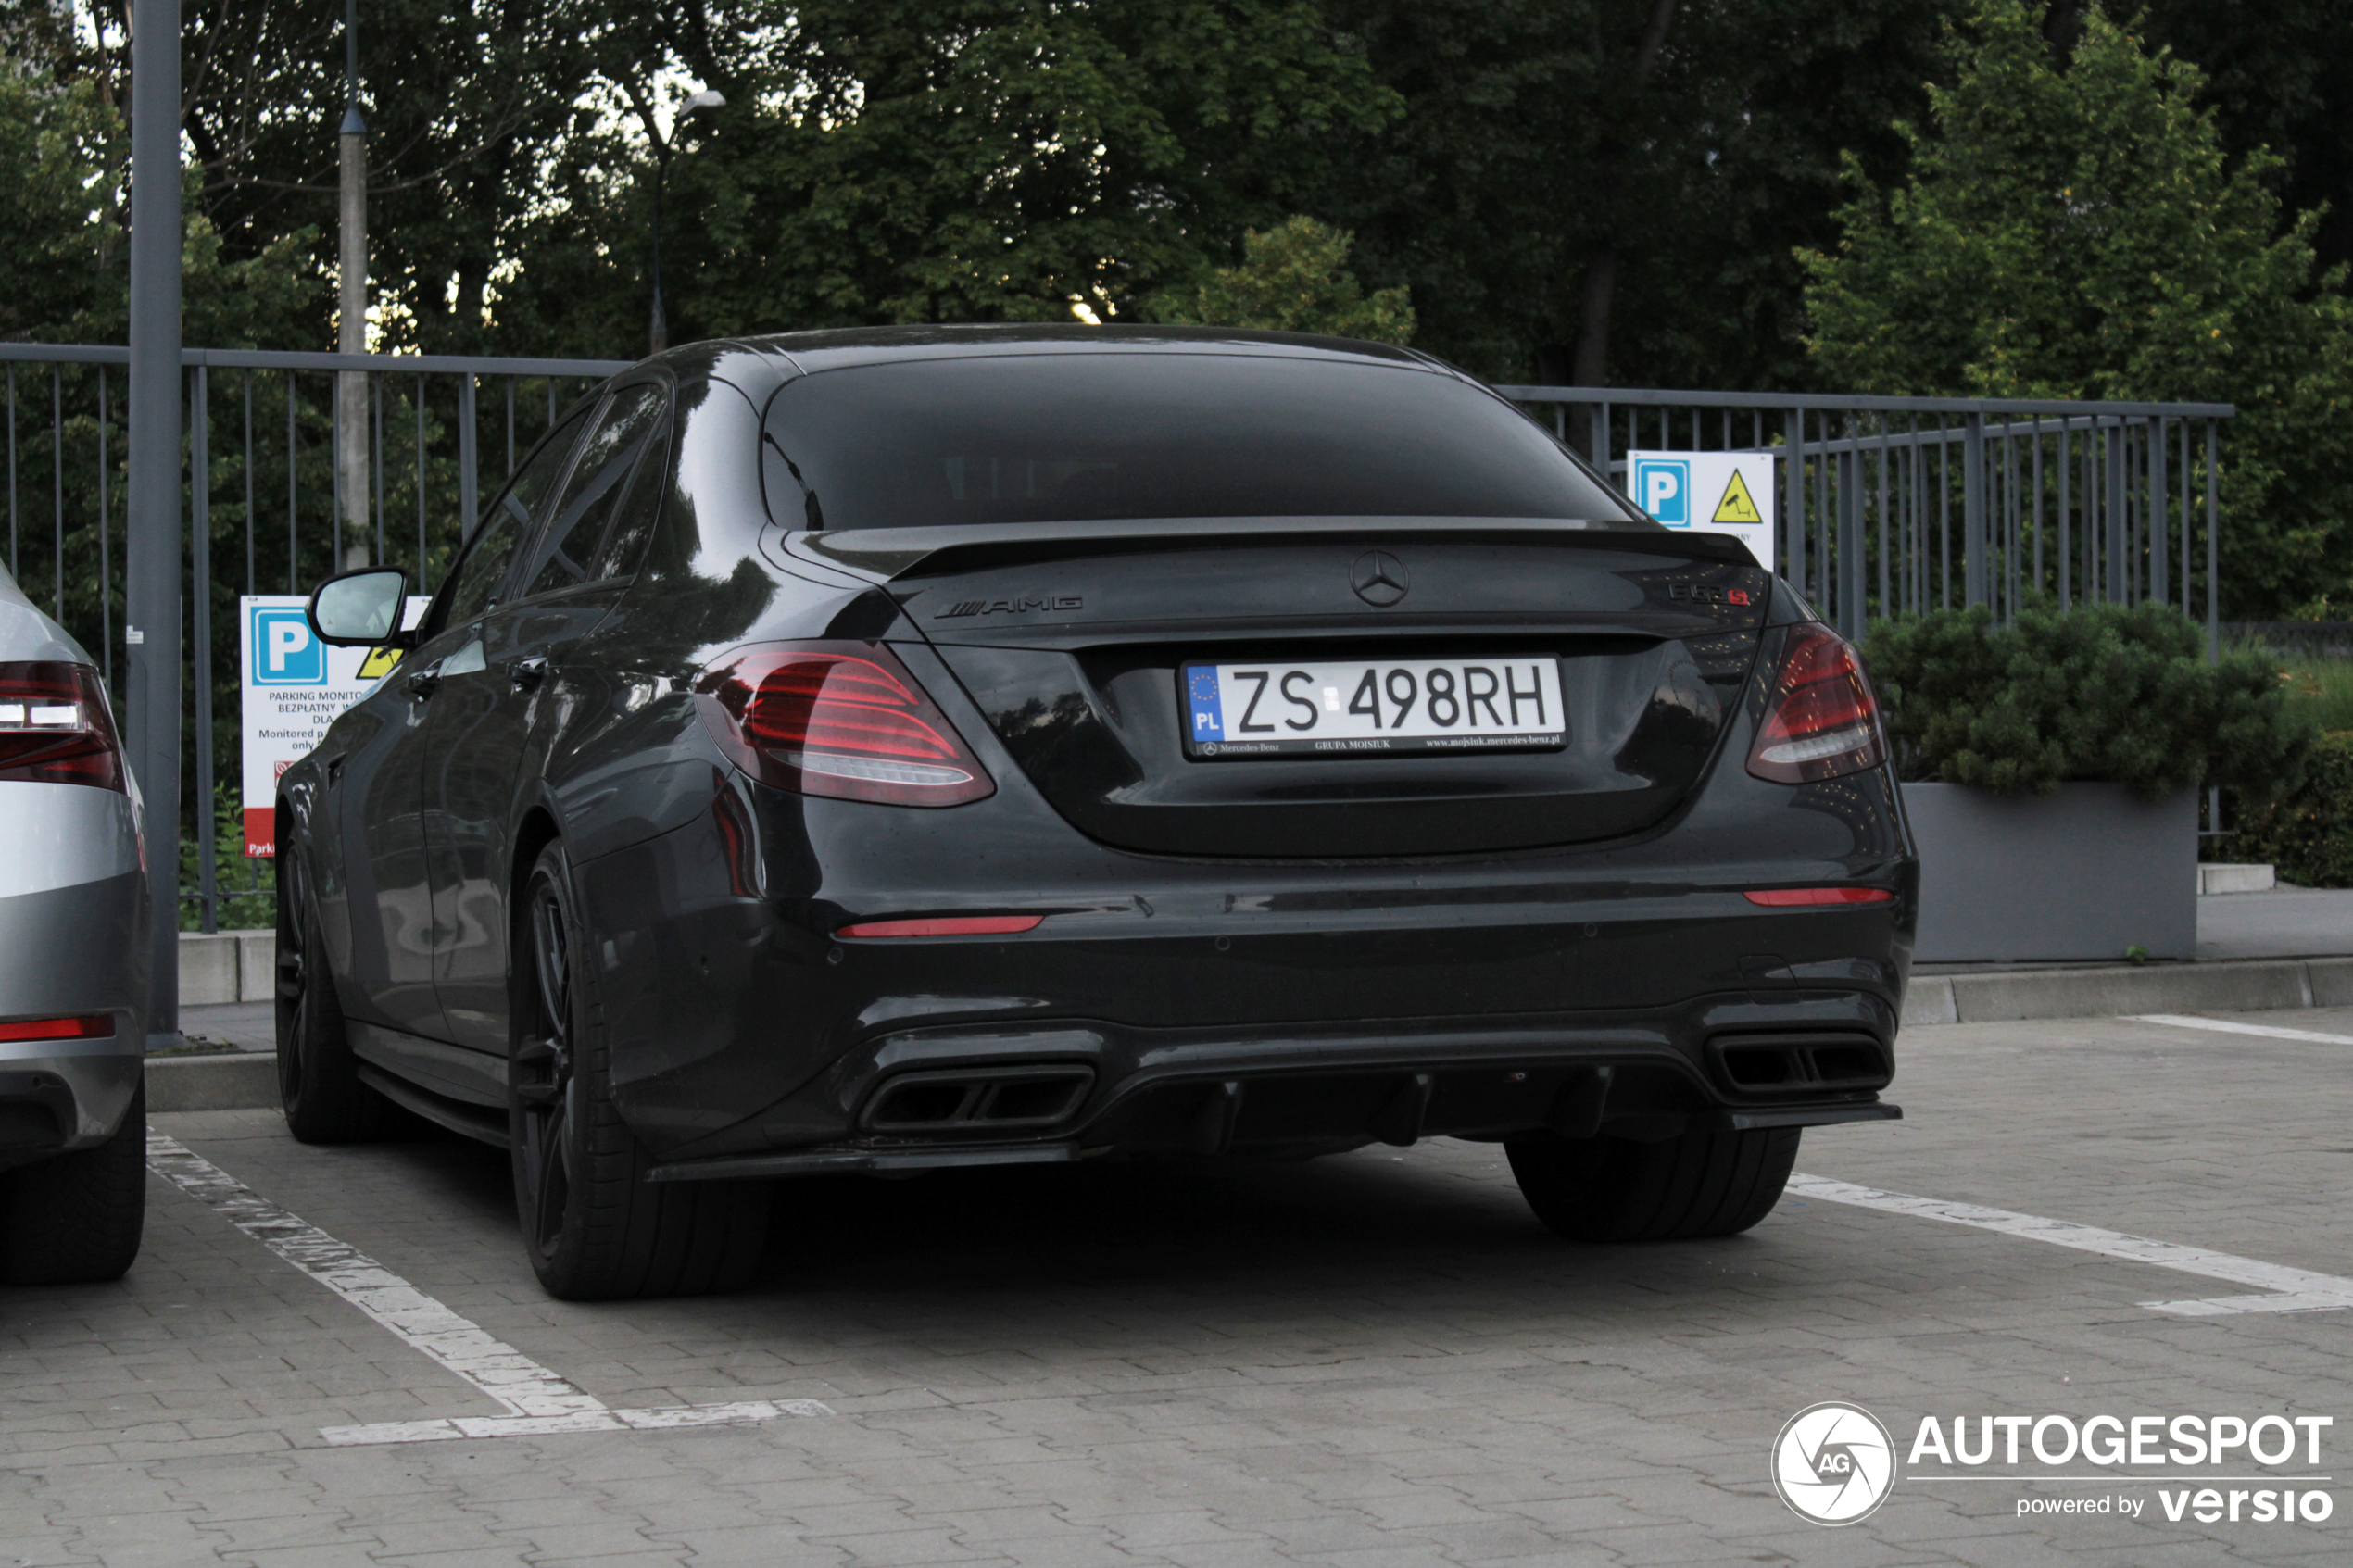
(1339,708)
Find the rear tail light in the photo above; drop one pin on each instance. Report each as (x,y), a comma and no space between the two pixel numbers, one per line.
(838,719)
(87,1026)
(54,726)
(1820,718)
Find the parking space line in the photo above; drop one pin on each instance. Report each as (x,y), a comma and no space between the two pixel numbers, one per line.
(538,1401)
(2284,1290)
(2228,1026)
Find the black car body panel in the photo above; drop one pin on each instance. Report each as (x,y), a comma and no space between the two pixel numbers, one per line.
(1275,955)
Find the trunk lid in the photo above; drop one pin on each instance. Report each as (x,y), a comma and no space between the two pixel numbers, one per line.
(1076,649)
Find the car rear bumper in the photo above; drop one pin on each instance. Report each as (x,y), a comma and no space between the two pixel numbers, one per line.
(1320,1007)
(72,951)
(1303,1090)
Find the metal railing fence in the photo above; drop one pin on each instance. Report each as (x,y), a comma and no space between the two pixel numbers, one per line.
(444,432)
(1893,506)
(1887,505)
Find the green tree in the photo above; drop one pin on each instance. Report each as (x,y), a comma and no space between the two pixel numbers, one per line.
(2278,76)
(890,161)
(1613,190)
(2082,233)
(1294,278)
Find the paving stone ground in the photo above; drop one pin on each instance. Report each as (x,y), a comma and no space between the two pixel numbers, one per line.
(1367,1360)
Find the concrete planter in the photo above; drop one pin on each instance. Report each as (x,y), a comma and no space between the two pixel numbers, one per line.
(2080,875)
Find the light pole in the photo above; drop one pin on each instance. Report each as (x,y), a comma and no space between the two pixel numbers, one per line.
(657,333)
(351,333)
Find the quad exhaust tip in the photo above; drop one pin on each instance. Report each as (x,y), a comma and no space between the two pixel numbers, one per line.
(1786,1063)
(998,1099)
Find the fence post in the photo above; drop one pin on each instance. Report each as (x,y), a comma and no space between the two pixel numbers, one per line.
(1850,537)
(1794,496)
(151,631)
(2160,542)
(1974,577)
(2120,563)
(2213,551)
(466,507)
(200,606)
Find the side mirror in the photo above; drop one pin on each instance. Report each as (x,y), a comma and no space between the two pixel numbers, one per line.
(361,609)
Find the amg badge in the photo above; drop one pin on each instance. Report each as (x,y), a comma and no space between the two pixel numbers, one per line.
(1020,605)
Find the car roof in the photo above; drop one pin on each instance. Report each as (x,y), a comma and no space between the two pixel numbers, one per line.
(807,353)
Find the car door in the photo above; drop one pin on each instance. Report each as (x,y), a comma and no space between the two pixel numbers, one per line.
(487,725)
(391,826)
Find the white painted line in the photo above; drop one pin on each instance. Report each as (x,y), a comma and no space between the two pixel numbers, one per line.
(2229,1026)
(739,1412)
(537,1401)
(2287,1289)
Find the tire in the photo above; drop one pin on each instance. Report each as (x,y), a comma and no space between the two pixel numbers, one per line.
(593,1226)
(75,1219)
(319,1084)
(1677,1189)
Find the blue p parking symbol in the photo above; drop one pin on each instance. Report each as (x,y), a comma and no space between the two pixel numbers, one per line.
(1662,486)
(284,652)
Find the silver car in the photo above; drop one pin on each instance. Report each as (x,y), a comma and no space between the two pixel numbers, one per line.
(74,927)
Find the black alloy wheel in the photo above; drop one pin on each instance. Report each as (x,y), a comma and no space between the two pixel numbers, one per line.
(319,1084)
(542,1077)
(593,1226)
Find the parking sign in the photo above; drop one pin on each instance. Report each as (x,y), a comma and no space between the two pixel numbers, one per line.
(295,686)
(283,651)
(1711,491)
(1662,486)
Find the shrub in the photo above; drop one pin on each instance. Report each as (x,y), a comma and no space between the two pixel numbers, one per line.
(2102,692)
(2308,835)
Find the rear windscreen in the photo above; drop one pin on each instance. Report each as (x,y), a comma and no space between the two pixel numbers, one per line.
(1071,438)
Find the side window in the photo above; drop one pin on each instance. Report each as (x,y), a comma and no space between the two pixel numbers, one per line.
(484,566)
(640,508)
(565,553)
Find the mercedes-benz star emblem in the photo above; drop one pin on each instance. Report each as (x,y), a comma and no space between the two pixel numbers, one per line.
(1380,579)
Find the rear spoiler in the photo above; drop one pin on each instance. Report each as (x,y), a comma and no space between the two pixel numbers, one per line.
(884,555)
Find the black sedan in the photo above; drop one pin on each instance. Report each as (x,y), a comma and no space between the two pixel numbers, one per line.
(885,750)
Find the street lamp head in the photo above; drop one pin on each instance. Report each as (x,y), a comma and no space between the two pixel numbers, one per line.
(709,98)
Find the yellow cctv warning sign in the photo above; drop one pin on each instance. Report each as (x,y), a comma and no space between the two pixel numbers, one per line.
(1737,506)
(379,663)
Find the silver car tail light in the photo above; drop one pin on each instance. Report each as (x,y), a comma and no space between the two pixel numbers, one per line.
(56,727)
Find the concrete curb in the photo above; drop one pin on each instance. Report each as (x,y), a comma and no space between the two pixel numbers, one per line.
(239,1081)
(2110,993)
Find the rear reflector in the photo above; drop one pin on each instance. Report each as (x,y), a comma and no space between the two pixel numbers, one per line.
(1820,719)
(89,1026)
(1782,897)
(54,727)
(840,718)
(962,925)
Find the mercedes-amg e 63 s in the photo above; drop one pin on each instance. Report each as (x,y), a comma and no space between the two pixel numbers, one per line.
(886,751)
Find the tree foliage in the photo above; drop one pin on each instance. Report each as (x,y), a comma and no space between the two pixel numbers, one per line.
(2083,233)
(2105,691)
(2307,832)
(1293,278)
